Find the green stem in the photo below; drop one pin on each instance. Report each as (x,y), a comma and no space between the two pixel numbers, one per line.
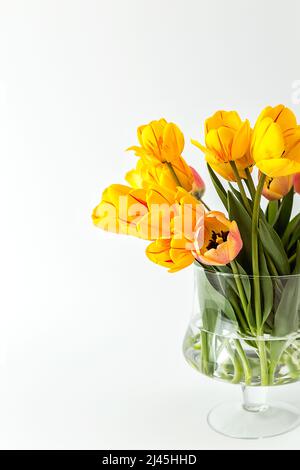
(241,187)
(263,359)
(236,364)
(240,316)
(177,181)
(241,294)
(244,361)
(172,171)
(256,282)
(255,260)
(205,205)
(250,183)
(204,354)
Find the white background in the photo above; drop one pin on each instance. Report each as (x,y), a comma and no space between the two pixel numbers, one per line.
(91,331)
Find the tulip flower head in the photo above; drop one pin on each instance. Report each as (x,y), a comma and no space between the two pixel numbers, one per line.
(275,145)
(120,210)
(186,235)
(227,139)
(276,188)
(160,142)
(222,240)
(198,186)
(146,174)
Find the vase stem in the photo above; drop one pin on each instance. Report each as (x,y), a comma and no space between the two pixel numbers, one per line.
(255,399)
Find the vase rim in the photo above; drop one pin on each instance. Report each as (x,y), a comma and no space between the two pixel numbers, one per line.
(198,266)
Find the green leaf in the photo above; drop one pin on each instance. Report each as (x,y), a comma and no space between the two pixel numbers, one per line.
(294,234)
(271,211)
(266,286)
(293,228)
(238,195)
(274,247)
(297,266)
(238,213)
(245,281)
(287,313)
(218,186)
(284,213)
(212,299)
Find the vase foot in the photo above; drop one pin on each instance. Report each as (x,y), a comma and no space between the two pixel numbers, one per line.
(234,420)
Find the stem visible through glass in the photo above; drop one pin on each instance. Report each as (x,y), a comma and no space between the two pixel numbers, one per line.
(256,281)
(255,399)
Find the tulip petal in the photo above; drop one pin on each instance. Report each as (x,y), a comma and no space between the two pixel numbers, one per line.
(200,146)
(229,119)
(283,116)
(215,144)
(173,142)
(158,252)
(267,142)
(241,141)
(278,167)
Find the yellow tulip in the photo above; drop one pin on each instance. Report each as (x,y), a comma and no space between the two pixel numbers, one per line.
(169,218)
(275,145)
(161,204)
(121,210)
(164,253)
(146,175)
(160,142)
(227,139)
(161,161)
(186,235)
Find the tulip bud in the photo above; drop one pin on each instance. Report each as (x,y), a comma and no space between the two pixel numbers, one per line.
(198,186)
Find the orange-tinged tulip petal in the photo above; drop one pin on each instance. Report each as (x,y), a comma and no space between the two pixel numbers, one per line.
(175,251)
(292,144)
(296,180)
(222,240)
(198,186)
(275,188)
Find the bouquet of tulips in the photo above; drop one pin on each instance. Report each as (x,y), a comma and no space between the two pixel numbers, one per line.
(163,202)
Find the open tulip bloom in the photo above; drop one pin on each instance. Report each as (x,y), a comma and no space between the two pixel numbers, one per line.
(164,202)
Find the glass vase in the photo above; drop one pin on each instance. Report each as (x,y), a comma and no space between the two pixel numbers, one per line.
(233,338)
